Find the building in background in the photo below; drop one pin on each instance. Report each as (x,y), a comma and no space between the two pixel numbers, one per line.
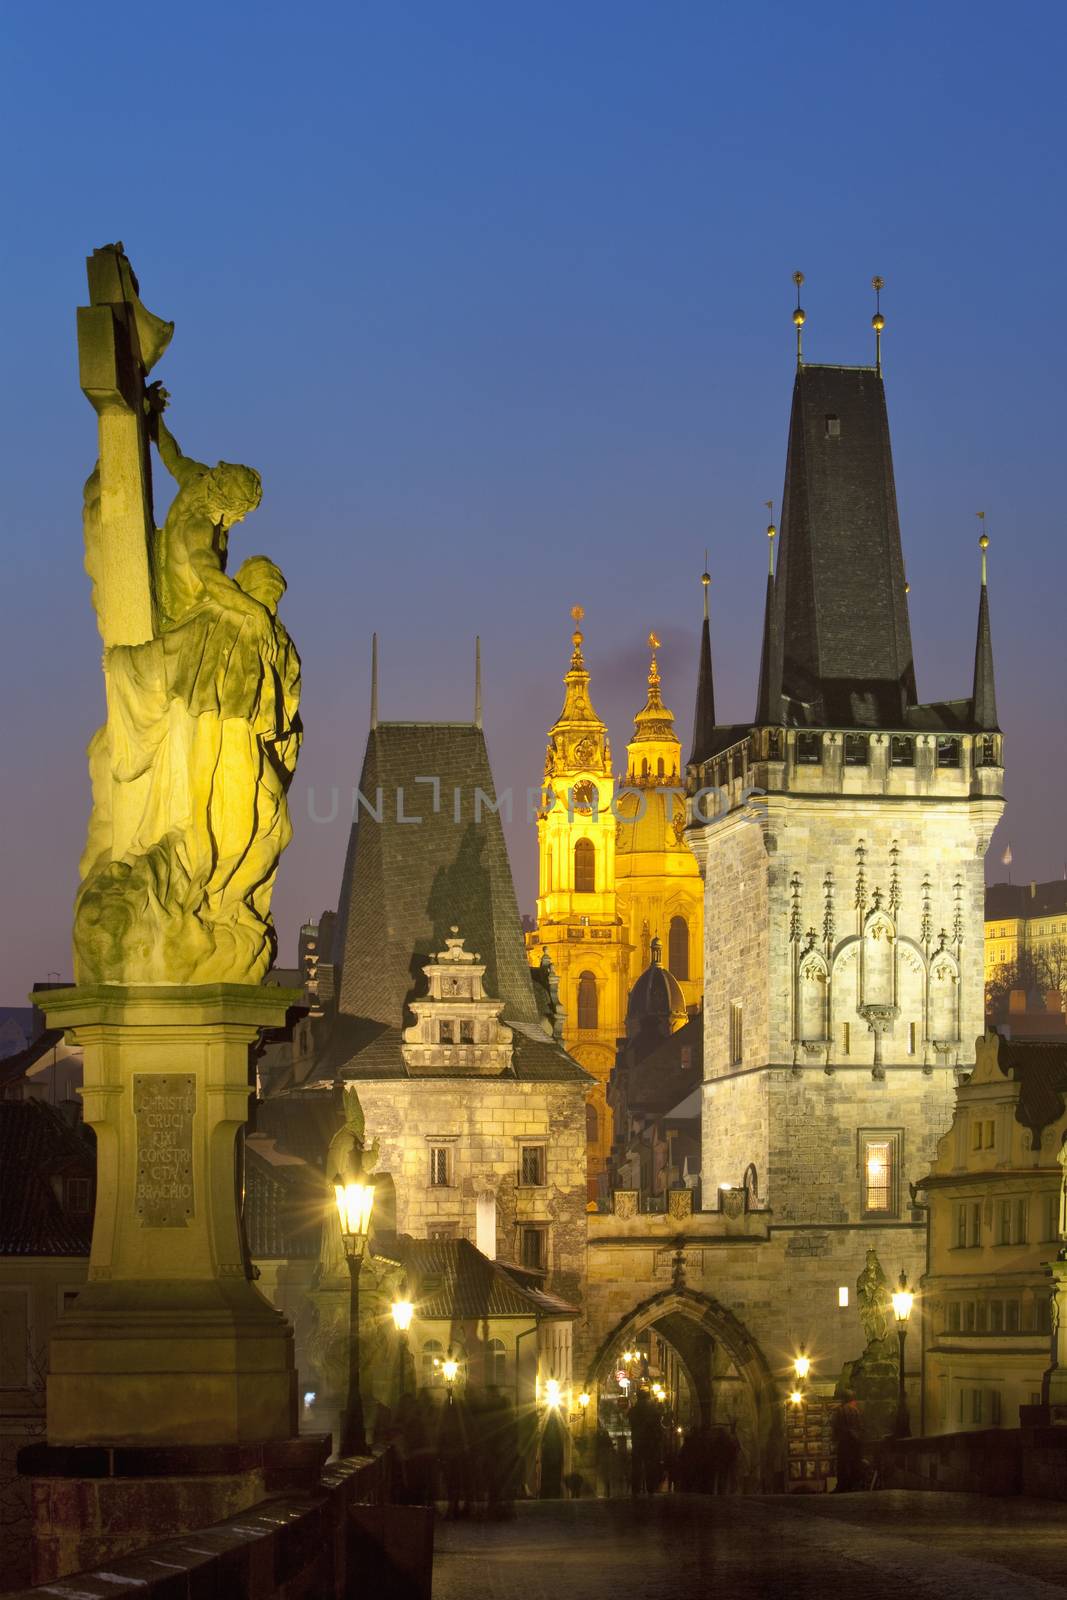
(1026,958)
(994,1198)
(615,873)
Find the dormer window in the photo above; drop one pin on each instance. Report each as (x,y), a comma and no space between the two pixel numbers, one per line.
(833,427)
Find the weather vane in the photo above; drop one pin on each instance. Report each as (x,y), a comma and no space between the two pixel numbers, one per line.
(878,321)
(798,315)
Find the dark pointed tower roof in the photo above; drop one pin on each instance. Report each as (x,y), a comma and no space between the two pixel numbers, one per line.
(984,693)
(769,663)
(840,612)
(704,711)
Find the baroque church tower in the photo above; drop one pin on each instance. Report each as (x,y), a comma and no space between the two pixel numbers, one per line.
(841,834)
(616,874)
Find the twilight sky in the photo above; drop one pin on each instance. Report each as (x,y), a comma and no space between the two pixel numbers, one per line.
(497,298)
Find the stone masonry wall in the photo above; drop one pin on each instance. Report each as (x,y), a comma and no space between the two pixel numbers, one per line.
(485,1121)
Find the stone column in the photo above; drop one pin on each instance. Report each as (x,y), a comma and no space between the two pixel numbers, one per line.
(170,1342)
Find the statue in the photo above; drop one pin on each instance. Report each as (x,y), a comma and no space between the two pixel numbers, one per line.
(191,769)
(875,1303)
(349,1158)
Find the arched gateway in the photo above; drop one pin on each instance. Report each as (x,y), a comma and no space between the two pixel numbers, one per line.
(725,1374)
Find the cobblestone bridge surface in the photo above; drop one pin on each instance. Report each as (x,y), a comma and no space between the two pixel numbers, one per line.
(893,1545)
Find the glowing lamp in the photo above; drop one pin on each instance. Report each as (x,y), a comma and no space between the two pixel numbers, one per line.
(801,1364)
(552,1392)
(354,1202)
(450,1368)
(583,1400)
(796,1398)
(903,1300)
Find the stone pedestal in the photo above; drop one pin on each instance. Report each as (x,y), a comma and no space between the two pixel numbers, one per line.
(170,1342)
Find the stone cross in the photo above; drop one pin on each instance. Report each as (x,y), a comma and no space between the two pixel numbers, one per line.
(118,343)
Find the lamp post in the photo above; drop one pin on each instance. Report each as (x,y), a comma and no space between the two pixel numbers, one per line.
(903,1300)
(354,1201)
(403,1311)
(450,1371)
(583,1401)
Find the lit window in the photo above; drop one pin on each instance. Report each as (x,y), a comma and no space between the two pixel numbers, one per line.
(432,1356)
(879,1175)
(842,1296)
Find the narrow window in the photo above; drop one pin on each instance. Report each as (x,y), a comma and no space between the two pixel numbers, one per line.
(990,1134)
(446,1033)
(948,752)
(953,1316)
(994,1407)
(976,1405)
(1004,1225)
(842,1296)
(79,1193)
(532,1248)
(833,427)
(996,1316)
(432,1356)
(912,1038)
(587,1000)
(809,749)
(737,1039)
(968,1316)
(1011,1316)
(880,1162)
(1052,1216)
(678,948)
(585,867)
(846,1039)
(976,1223)
(466,1033)
(439,1166)
(857,749)
(961,1225)
(532,1165)
(902,750)
(976,1135)
(1021,1230)
(981,1316)
(496,1364)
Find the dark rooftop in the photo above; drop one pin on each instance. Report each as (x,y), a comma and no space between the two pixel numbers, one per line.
(38,1150)
(1007,901)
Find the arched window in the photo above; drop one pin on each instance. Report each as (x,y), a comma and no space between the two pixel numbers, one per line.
(585,867)
(678,947)
(592,1124)
(496,1364)
(587,1002)
(659,767)
(433,1353)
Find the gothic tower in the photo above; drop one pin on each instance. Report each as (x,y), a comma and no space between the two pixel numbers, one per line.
(841,834)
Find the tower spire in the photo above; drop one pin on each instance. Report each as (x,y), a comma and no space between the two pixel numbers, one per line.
(374,680)
(704,712)
(984,694)
(799,318)
(477,681)
(878,321)
(768,700)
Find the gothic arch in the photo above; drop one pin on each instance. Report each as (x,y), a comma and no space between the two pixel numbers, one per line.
(708,1316)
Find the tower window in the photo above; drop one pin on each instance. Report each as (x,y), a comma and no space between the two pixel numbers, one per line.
(440,1166)
(533,1248)
(678,948)
(880,1173)
(833,427)
(532,1165)
(737,1036)
(902,750)
(948,752)
(809,749)
(587,1000)
(585,867)
(857,749)
(446,1032)
(466,1033)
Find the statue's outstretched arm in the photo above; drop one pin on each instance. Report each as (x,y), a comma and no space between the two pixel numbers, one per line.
(182,468)
(229,596)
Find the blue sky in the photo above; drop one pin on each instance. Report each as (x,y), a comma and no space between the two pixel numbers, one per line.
(497,298)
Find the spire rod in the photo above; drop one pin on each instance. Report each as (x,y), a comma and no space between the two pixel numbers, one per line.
(771,532)
(374,680)
(799,318)
(705,579)
(477,681)
(983,545)
(704,710)
(878,321)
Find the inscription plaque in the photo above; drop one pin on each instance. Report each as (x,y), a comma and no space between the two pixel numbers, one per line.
(163,1104)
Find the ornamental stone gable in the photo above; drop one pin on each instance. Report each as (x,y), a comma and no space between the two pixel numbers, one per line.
(457,1027)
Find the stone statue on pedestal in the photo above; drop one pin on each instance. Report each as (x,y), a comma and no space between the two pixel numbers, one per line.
(191,768)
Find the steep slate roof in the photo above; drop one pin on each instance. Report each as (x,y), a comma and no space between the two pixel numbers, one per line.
(841,611)
(407,883)
(704,710)
(1011,900)
(284,1202)
(35,1142)
(454,1281)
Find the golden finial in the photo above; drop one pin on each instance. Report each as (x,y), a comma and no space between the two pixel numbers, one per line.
(577,663)
(798,314)
(983,545)
(878,321)
(653,671)
(907,586)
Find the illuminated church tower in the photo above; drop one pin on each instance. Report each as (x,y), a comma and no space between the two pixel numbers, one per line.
(615,874)
(657,881)
(578,922)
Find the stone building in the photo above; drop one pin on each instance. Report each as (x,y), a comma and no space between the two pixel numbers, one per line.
(614,874)
(994,1195)
(840,833)
(440,1022)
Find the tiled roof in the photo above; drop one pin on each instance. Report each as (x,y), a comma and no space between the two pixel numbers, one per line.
(285,1200)
(1007,901)
(659,1081)
(36,1142)
(405,885)
(453,1281)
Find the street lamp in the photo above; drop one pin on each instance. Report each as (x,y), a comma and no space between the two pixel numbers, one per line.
(450,1371)
(903,1300)
(403,1311)
(354,1202)
(801,1364)
(583,1402)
